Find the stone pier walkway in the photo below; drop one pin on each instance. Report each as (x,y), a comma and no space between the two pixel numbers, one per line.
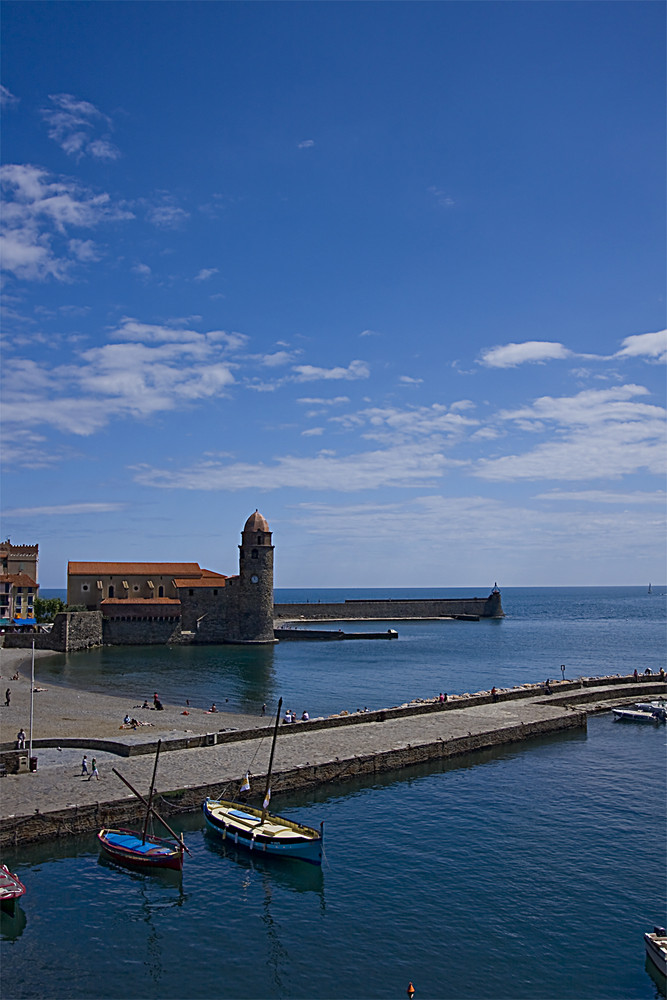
(56,800)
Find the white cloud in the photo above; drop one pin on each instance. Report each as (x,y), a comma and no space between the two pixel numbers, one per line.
(149,369)
(319,401)
(397,425)
(533,351)
(37,214)
(310,373)
(651,345)
(84,250)
(277,359)
(409,466)
(7,99)
(66,509)
(71,124)
(306,144)
(408,380)
(206,273)
(637,497)
(441,198)
(166,215)
(142,270)
(369,333)
(597,434)
(313,432)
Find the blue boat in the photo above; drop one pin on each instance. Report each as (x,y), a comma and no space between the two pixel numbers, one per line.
(262,831)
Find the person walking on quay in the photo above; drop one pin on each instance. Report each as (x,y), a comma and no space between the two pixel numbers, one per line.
(94,773)
(8,697)
(20,739)
(84,765)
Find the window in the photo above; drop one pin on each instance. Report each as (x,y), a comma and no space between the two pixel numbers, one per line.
(215,593)
(254,553)
(191,593)
(160,592)
(111,591)
(135,588)
(85,587)
(259,539)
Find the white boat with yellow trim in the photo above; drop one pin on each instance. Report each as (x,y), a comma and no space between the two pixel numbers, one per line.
(262,831)
(248,827)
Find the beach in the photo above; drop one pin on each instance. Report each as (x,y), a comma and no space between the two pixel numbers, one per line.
(60,711)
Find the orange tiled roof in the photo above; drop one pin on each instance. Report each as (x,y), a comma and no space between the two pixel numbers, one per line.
(127,601)
(133,569)
(18,579)
(208,581)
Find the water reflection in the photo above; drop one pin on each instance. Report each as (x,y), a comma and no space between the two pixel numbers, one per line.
(12,924)
(287,873)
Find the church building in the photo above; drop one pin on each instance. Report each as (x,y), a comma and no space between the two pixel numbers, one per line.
(153,603)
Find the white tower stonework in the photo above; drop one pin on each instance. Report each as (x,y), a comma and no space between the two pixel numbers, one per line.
(256,581)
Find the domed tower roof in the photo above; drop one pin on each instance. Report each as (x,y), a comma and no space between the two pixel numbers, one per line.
(256,523)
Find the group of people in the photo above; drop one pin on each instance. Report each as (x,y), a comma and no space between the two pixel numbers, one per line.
(291,716)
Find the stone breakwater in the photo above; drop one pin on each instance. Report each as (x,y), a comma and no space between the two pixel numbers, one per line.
(56,801)
(392,610)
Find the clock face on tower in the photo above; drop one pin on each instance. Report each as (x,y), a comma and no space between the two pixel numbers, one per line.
(254,579)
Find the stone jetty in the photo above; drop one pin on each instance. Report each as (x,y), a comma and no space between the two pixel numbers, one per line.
(57,801)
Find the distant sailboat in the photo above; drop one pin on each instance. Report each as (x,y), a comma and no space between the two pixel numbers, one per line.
(650,589)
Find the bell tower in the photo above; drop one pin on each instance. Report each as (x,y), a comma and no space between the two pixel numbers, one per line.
(256,581)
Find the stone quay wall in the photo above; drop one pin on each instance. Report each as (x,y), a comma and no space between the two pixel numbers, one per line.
(90,818)
(485,607)
(72,631)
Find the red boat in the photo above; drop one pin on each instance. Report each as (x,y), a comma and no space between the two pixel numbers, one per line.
(129,848)
(11,889)
(144,850)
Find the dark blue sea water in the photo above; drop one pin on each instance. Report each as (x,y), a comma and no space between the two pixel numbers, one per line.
(530,872)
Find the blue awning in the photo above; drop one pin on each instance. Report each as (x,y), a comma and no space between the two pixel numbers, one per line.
(23,621)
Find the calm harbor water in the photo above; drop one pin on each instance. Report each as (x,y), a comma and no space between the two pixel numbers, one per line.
(527,872)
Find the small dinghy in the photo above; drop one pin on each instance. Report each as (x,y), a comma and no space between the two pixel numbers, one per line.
(11,889)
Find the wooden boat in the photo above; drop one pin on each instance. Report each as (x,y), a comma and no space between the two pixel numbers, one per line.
(143,850)
(656,948)
(262,831)
(11,889)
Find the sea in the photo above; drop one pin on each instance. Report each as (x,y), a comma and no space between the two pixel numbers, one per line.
(530,871)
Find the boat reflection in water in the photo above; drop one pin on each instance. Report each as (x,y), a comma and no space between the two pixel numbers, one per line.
(286,873)
(13,924)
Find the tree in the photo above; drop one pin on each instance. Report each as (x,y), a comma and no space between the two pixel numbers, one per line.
(46,608)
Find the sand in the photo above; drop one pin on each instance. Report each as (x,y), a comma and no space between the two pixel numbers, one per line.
(60,711)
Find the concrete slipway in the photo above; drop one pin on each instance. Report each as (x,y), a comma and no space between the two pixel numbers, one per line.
(56,801)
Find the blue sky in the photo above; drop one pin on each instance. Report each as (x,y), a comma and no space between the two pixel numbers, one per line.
(392,273)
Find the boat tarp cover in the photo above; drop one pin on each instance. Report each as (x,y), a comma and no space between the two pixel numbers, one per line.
(135,844)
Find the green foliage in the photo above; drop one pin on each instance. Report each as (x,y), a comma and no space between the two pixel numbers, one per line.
(46,608)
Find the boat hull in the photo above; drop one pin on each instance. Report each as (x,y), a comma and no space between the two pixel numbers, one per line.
(11,889)
(656,949)
(242,826)
(125,847)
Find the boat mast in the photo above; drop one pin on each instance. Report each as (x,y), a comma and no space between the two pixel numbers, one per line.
(273,748)
(32,695)
(151,808)
(150,794)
